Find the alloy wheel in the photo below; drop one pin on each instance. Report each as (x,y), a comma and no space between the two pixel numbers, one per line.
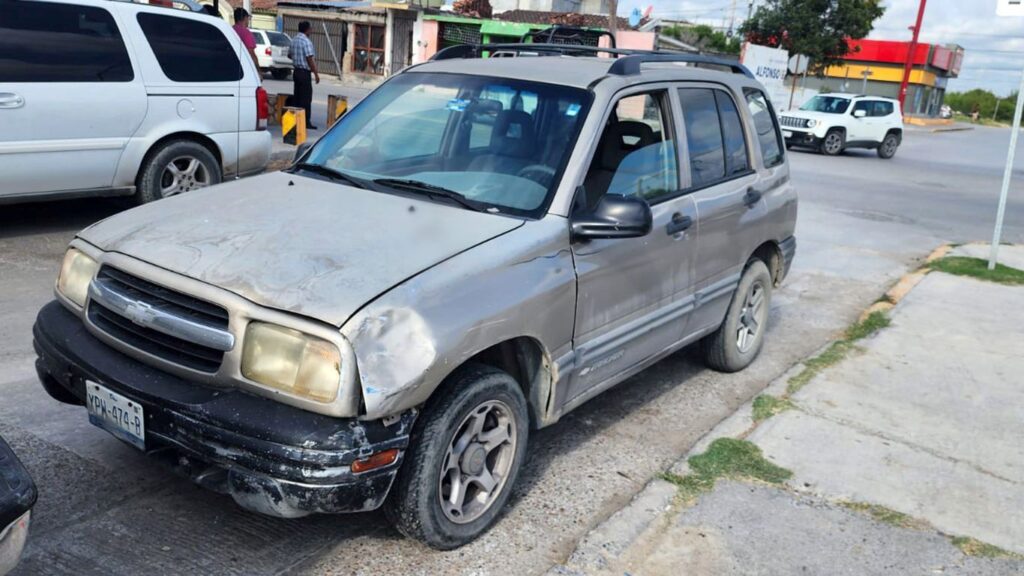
(183,174)
(477,462)
(833,143)
(752,317)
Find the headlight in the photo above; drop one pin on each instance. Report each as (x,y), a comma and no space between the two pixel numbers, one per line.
(812,123)
(291,361)
(76,272)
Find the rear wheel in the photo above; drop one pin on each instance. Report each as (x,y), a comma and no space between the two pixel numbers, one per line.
(833,143)
(887,149)
(463,458)
(738,341)
(175,167)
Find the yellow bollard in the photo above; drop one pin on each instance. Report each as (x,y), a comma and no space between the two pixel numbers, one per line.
(336,108)
(293,126)
(279,106)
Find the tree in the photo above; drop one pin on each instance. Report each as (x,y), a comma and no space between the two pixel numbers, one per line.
(819,29)
(985,102)
(705,38)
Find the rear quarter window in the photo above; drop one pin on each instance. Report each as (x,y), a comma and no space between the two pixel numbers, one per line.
(767,127)
(190,51)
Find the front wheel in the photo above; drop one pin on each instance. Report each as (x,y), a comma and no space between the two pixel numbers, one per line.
(463,459)
(833,143)
(887,149)
(738,340)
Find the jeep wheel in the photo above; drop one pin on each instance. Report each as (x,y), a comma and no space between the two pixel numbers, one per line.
(887,149)
(738,340)
(175,167)
(463,459)
(833,143)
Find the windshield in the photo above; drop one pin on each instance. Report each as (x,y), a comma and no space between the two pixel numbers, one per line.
(827,104)
(499,143)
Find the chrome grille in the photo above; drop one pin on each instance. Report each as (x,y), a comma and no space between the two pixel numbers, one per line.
(791,122)
(162,322)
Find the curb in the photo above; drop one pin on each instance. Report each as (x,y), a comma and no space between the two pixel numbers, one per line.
(957,129)
(606,542)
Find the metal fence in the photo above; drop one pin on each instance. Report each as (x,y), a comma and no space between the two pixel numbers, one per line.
(325,35)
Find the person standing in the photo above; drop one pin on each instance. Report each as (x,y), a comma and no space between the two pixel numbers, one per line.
(241,27)
(302,55)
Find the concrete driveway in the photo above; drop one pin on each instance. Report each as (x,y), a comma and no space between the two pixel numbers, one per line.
(106,509)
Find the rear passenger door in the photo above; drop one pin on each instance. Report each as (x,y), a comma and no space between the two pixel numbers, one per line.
(726,188)
(71,96)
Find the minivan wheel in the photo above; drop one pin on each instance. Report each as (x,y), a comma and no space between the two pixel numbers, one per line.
(463,459)
(833,143)
(739,339)
(887,149)
(176,167)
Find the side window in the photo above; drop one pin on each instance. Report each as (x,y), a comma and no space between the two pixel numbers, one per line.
(47,42)
(259,39)
(767,127)
(636,154)
(703,136)
(867,106)
(732,133)
(189,50)
(883,108)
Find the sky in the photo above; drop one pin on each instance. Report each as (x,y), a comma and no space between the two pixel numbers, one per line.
(994,45)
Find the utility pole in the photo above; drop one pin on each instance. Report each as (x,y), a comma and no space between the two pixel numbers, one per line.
(613,18)
(996,113)
(750,10)
(732,19)
(910,56)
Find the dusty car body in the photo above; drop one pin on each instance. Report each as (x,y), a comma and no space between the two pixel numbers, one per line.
(420,291)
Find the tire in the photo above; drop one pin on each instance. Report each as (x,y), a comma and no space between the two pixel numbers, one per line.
(196,168)
(415,506)
(280,73)
(887,149)
(833,143)
(723,349)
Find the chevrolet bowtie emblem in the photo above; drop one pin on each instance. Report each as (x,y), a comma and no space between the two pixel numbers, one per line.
(140,313)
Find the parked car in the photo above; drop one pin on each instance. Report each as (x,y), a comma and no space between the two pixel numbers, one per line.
(272,52)
(17,496)
(474,250)
(832,123)
(116,98)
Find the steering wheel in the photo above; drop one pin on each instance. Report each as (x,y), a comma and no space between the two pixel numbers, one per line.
(539,173)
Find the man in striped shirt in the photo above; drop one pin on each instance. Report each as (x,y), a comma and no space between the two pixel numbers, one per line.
(303,58)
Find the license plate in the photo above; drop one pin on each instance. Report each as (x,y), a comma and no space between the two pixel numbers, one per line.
(787,134)
(116,414)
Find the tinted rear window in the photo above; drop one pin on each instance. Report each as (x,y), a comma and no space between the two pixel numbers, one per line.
(189,50)
(46,42)
(278,39)
(703,135)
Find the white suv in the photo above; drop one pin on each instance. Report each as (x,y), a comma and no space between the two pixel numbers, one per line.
(832,123)
(114,98)
(272,52)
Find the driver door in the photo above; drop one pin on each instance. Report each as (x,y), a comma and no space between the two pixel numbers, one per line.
(627,307)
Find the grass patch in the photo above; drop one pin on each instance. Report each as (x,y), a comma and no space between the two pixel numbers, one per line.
(766,406)
(837,350)
(726,458)
(972,547)
(978,268)
(885,515)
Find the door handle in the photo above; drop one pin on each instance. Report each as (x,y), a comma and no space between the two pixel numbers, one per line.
(678,224)
(752,197)
(11,100)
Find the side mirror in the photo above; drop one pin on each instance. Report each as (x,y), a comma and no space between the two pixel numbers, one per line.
(860,113)
(301,150)
(615,216)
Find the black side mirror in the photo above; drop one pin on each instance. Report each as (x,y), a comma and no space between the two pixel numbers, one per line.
(615,216)
(301,150)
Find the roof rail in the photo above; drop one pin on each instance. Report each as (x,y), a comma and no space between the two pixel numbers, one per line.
(629,65)
(626,63)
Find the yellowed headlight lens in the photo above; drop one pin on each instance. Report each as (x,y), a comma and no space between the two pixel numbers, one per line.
(291,361)
(76,272)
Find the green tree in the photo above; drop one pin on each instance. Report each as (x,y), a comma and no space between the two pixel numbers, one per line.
(819,29)
(705,38)
(985,103)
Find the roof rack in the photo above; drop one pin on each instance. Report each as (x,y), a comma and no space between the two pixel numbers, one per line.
(627,62)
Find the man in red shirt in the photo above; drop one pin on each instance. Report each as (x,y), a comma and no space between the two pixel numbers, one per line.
(242,29)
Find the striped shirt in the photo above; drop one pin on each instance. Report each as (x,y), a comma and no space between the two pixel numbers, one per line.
(301,47)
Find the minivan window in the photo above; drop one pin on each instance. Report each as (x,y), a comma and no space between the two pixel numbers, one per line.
(703,136)
(189,50)
(768,136)
(412,136)
(48,42)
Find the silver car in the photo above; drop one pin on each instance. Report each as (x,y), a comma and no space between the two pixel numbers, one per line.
(477,248)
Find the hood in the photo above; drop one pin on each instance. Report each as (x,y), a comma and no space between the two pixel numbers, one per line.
(299,244)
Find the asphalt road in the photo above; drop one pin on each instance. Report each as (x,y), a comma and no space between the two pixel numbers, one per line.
(106,509)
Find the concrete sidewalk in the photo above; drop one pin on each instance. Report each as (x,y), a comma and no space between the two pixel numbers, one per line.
(895,452)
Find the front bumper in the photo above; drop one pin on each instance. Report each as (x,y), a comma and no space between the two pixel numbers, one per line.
(270,457)
(801,138)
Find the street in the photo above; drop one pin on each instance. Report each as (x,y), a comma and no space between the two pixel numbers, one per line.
(104,508)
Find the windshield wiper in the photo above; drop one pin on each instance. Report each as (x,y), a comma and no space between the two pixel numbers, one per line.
(432,190)
(331,173)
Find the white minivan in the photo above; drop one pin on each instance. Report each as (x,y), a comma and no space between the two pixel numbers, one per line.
(106,98)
